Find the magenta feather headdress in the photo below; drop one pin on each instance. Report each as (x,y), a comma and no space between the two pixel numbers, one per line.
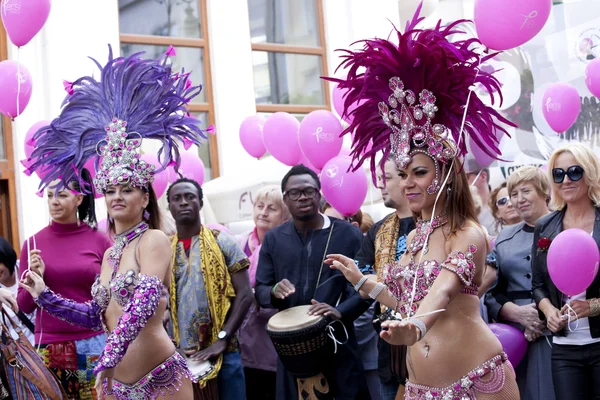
(412,96)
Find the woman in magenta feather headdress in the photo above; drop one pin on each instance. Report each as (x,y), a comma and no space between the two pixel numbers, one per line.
(417,104)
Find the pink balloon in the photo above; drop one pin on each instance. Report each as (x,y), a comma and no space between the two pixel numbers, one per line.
(29,142)
(513,341)
(572,261)
(345,151)
(592,77)
(218,227)
(11,73)
(103,225)
(345,190)
(161,179)
(23,19)
(521,21)
(561,106)
(251,136)
(280,135)
(307,163)
(27,163)
(319,137)
(483,159)
(191,167)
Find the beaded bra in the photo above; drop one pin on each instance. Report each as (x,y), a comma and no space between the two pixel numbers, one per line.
(420,276)
(121,285)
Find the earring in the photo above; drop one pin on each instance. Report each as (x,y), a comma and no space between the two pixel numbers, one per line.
(448,191)
(146,215)
(111,219)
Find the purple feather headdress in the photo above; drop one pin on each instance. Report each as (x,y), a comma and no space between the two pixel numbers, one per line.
(134,99)
(412,96)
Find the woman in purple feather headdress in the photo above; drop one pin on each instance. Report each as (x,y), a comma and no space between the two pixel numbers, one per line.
(135,99)
(415,97)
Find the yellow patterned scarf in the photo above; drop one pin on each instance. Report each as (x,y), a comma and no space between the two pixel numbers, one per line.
(386,243)
(219,289)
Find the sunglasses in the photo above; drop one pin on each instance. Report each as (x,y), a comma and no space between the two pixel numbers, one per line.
(501,202)
(574,173)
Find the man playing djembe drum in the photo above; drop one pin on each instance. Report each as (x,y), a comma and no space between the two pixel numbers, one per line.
(290,269)
(210,295)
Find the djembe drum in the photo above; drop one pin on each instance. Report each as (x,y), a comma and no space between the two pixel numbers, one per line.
(303,345)
(204,389)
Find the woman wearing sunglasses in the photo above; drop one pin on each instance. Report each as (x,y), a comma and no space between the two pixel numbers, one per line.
(502,209)
(575,174)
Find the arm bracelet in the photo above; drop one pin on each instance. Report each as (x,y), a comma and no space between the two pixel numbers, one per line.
(360,283)
(140,308)
(420,325)
(594,307)
(376,290)
(86,315)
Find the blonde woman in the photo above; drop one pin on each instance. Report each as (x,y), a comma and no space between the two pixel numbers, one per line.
(258,354)
(575,174)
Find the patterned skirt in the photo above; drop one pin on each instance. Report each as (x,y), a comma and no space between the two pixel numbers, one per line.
(73,362)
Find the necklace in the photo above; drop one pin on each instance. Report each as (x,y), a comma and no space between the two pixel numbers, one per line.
(121,241)
(423,231)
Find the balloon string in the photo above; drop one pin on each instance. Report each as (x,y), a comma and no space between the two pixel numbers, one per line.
(574,316)
(460,137)
(18,82)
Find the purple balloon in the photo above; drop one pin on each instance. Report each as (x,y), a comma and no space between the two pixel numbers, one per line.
(573,261)
(561,106)
(14,78)
(29,142)
(280,135)
(513,341)
(521,21)
(345,190)
(338,104)
(592,77)
(319,137)
(23,19)
(251,136)
(483,159)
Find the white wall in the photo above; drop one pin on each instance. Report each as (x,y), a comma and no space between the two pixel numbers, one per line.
(75,29)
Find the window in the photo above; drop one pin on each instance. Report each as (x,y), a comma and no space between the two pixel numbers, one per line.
(9,226)
(289,55)
(153,25)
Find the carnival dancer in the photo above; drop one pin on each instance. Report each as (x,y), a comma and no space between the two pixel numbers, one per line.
(136,99)
(68,255)
(414,95)
(210,293)
(384,243)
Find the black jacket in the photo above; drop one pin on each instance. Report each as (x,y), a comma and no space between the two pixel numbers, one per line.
(549,226)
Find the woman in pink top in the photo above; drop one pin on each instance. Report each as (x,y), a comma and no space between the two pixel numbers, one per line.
(68,254)
(258,354)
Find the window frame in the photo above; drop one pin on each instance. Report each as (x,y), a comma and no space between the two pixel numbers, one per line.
(7,166)
(204,44)
(301,50)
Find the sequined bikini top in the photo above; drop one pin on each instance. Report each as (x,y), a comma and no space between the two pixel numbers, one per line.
(121,288)
(400,278)
(121,285)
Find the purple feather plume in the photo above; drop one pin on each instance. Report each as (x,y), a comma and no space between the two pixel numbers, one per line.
(422,59)
(144,92)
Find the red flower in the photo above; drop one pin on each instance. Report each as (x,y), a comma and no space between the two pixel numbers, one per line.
(543,244)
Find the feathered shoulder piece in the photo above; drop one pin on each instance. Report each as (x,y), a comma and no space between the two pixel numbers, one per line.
(134,99)
(412,94)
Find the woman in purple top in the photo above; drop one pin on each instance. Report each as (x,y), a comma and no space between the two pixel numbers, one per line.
(258,354)
(68,254)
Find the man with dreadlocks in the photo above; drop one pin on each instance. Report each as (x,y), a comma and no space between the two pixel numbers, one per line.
(414,96)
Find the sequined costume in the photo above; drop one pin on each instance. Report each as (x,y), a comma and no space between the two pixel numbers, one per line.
(106,120)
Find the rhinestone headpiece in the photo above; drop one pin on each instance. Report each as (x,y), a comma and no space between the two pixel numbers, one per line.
(121,162)
(401,114)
